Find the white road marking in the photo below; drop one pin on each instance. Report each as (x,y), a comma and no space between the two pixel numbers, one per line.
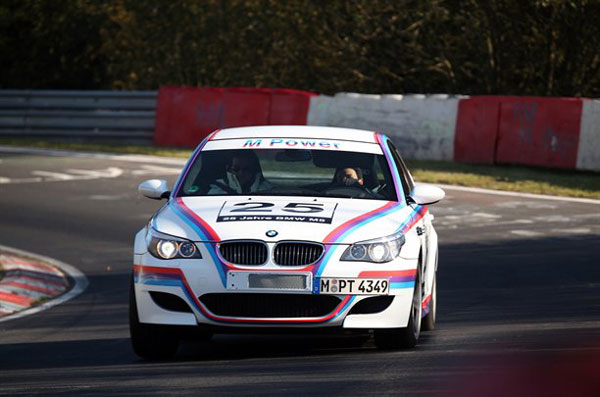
(486,215)
(156,170)
(58,176)
(101,197)
(525,204)
(580,230)
(519,221)
(451,217)
(21,180)
(552,218)
(515,194)
(72,175)
(111,172)
(526,233)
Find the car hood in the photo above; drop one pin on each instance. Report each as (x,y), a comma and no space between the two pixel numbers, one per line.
(327,220)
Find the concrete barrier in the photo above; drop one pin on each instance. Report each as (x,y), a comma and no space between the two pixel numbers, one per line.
(539,131)
(548,132)
(185,115)
(421,126)
(588,151)
(476,134)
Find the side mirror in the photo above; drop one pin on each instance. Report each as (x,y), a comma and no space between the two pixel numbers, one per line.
(156,189)
(425,194)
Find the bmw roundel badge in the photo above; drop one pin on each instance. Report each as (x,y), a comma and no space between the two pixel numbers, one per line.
(272,233)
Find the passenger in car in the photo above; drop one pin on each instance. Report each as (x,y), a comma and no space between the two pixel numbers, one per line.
(243,174)
(349,176)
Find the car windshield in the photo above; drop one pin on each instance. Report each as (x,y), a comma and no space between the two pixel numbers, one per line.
(289,172)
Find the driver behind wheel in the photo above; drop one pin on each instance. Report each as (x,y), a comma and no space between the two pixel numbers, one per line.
(243,174)
(349,176)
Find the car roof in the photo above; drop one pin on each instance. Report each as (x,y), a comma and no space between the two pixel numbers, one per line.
(296,131)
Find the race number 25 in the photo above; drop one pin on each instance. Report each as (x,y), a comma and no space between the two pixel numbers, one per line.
(278,211)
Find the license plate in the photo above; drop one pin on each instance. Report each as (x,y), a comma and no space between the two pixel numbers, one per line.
(352,286)
(249,281)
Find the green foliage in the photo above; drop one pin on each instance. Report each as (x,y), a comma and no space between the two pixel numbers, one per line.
(520,47)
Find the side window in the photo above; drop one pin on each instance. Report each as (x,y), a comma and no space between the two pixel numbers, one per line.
(407,181)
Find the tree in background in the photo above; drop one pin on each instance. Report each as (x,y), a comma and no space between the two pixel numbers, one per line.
(533,47)
(51,44)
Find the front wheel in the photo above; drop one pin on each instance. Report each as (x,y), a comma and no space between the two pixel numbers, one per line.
(149,341)
(398,338)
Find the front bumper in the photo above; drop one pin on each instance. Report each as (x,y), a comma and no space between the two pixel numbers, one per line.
(194,280)
(193,283)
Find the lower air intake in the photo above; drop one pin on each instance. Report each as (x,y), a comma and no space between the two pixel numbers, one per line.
(270,305)
(170,302)
(372,305)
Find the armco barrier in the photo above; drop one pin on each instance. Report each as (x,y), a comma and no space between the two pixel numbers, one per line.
(539,131)
(185,115)
(421,126)
(77,114)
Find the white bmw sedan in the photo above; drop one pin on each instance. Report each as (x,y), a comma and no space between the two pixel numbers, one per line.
(286,227)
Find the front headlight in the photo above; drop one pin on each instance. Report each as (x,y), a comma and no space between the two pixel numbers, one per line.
(163,246)
(378,250)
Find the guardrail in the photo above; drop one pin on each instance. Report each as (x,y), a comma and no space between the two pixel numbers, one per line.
(78,114)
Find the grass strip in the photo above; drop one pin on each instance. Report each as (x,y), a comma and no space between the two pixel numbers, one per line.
(522,179)
(513,178)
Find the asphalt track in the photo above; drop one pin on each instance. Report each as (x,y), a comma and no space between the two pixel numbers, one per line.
(518,290)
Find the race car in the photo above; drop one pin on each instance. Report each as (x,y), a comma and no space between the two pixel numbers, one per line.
(286,228)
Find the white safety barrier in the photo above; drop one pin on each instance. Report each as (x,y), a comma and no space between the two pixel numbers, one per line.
(588,152)
(421,126)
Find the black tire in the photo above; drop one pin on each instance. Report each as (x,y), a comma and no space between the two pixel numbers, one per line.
(404,338)
(428,323)
(150,341)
